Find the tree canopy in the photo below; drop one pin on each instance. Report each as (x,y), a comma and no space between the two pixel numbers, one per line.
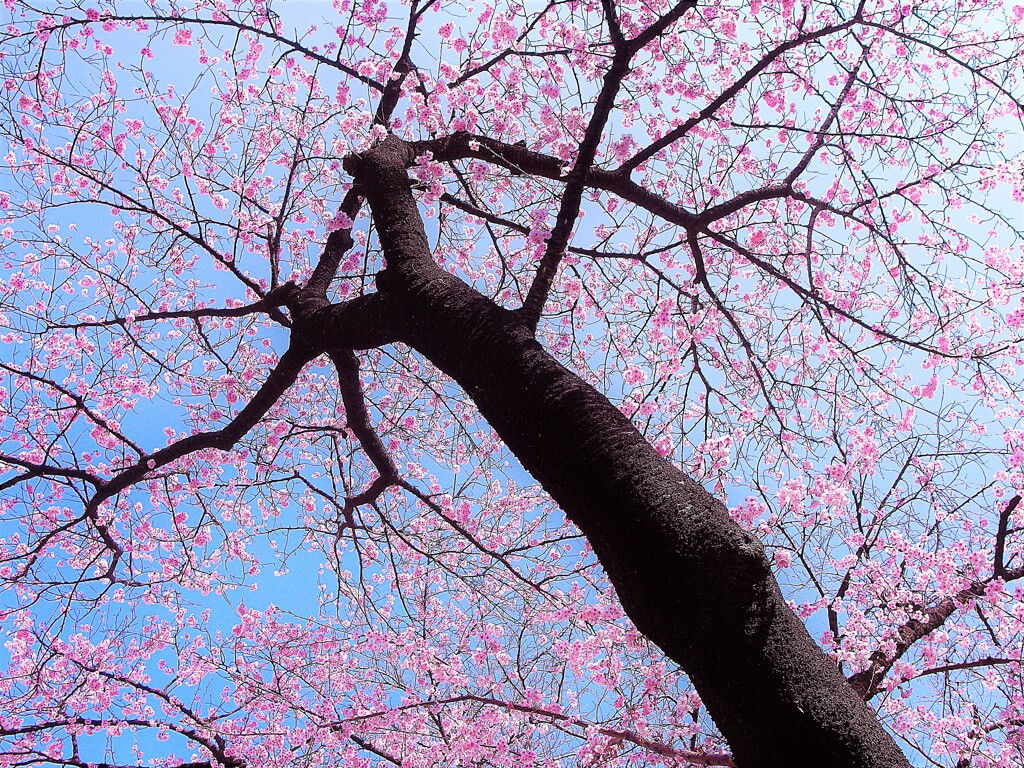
(444,383)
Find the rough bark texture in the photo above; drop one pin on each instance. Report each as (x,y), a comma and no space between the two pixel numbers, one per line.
(691,579)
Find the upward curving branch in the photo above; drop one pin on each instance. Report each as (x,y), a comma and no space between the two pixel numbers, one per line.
(575,180)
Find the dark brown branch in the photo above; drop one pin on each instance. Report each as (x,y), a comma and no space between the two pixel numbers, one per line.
(397,217)
(358,419)
(393,88)
(998,566)
(215,745)
(868,681)
(576,179)
(79,402)
(730,93)
(611,18)
(651,745)
(339,242)
(45,470)
(279,379)
(659,27)
(366,322)
(812,297)
(518,159)
(263,305)
(785,188)
(988,661)
(498,58)
(974,70)
(357,416)
(370,747)
(240,26)
(473,540)
(491,218)
(350,325)
(572,196)
(129,203)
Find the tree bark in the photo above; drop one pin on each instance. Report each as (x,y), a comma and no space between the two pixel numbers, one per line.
(689,577)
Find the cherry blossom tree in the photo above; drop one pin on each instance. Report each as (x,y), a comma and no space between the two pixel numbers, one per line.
(292,295)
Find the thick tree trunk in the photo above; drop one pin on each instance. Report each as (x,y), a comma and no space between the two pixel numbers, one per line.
(689,577)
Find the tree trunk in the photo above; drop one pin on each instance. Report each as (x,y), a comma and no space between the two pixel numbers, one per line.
(689,577)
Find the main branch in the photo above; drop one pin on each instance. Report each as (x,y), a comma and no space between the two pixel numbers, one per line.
(689,577)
